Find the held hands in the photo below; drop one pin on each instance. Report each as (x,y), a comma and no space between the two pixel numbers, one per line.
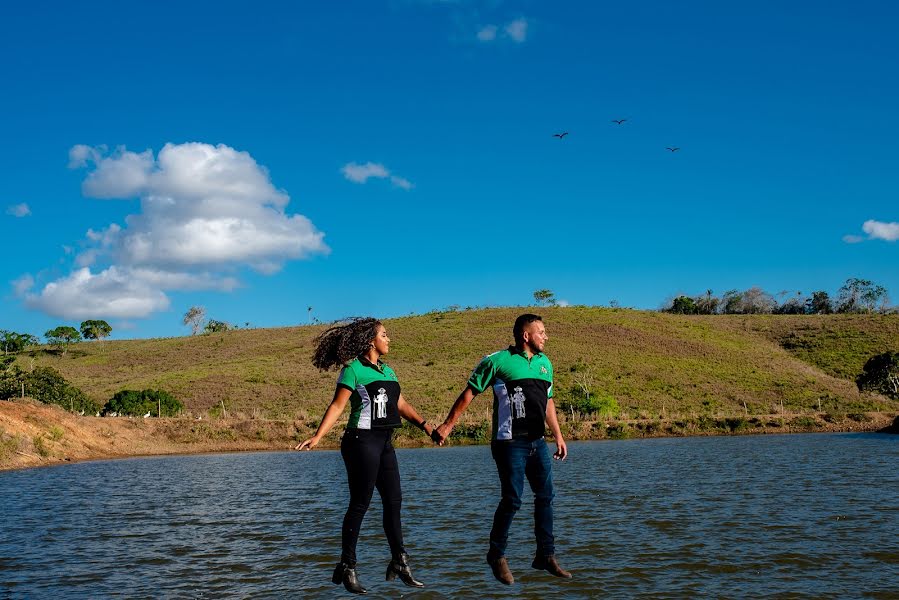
(440,434)
(307,444)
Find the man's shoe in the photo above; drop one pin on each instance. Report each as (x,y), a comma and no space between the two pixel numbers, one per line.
(501,570)
(345,574)
(399,566)
(550,565)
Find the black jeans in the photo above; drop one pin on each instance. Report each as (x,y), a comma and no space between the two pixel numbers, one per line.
(371,463)
(515,460)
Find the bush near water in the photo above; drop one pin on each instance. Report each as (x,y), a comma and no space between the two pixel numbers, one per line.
(144,402)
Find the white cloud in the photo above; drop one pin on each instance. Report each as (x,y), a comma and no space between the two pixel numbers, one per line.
(517,30)
(853,239)
(22,284)
(878,230)
(487,33)
(112,293)
(205,211)
(18,210)
(401,182)
(362,173)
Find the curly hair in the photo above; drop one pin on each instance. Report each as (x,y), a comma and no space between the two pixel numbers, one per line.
(342,343)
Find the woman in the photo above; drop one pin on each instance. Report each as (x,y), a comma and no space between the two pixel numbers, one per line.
(376,405)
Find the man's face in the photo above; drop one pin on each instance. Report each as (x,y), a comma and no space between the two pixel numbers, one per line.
(535,336)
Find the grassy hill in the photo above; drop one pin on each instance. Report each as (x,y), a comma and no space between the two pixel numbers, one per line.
(654,365)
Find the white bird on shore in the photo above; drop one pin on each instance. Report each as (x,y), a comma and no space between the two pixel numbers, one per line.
(147,415)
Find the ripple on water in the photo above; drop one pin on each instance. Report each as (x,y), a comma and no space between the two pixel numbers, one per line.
(789,516)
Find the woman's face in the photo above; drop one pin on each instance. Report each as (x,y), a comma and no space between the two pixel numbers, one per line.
(381,341)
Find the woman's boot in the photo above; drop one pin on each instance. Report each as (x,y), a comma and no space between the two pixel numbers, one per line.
(343,573)
(399,566)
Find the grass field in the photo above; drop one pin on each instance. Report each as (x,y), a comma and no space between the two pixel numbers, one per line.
(667,374)
(655,365)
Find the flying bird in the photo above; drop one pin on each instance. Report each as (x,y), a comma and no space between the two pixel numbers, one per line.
(675,149)
(619,121)
(560,135)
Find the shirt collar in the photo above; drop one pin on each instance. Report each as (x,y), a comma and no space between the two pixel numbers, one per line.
(521,352)
(364,360)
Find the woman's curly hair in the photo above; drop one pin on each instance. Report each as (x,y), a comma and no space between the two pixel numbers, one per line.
(340,344)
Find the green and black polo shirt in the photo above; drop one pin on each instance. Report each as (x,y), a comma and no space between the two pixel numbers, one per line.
(521,389)
(374,403)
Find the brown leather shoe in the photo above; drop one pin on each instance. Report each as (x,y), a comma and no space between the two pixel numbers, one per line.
(550,565)
(501,570)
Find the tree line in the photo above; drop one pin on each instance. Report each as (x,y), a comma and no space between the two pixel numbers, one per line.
(855,296)
(60,337)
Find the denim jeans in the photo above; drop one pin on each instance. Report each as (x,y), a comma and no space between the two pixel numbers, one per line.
(515,460)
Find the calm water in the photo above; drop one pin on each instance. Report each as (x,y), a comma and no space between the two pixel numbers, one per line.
(789,516)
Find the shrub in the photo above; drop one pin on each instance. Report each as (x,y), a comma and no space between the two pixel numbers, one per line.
(474,432)
(804,422)
(138,403)
(735,424)
(604,406)
(881,374)
(46,385)
(618,432)
(9,444)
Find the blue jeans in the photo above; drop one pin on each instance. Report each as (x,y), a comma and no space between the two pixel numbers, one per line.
(515,460)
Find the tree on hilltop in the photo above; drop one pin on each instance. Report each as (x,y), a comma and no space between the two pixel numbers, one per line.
(861,295)
(13,342)
(545,298)
(819,303)
(194,317)
(214,326)
(62,336)
(95,329)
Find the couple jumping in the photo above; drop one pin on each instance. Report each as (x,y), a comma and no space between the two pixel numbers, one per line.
(522,381)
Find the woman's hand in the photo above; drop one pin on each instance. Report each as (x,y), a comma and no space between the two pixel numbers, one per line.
(308,444)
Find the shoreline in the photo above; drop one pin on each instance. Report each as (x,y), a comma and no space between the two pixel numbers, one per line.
(34,436)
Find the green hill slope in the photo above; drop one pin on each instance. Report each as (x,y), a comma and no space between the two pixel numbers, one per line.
(654,365)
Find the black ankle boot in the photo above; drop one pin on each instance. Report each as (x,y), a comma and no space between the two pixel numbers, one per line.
(400,566)
(345,574)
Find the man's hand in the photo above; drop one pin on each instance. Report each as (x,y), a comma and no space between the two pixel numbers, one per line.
(561,449)
(440,434)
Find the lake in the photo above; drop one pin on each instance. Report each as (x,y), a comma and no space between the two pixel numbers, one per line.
(812,516)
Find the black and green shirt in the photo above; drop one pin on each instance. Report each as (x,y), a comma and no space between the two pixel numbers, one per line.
(374,403)
(521,389)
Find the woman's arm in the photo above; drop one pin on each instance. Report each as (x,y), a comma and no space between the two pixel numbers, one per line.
(341,396)
(408,412)
(455,412)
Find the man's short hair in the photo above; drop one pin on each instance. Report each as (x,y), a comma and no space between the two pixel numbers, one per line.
(521,322)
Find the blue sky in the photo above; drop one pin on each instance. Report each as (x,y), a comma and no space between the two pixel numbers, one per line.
(388,158)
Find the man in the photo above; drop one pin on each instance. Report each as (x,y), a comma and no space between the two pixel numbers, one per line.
(522,381)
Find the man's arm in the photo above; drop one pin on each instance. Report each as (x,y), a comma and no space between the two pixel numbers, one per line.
(442,432)
(553,421)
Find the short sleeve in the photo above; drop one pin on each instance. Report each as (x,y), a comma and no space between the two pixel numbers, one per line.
(347,379)
(483,374)
(549,391)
